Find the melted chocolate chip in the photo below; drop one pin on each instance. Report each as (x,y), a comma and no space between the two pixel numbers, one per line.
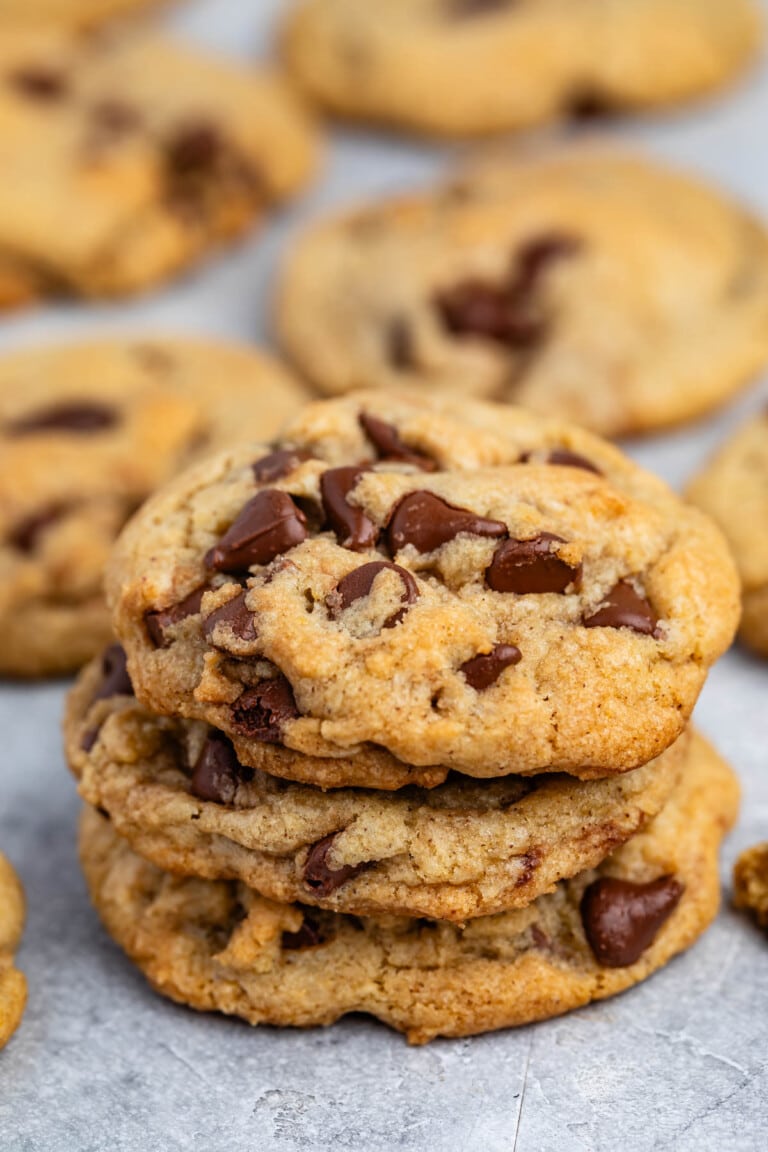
(25,534)
(622,919)
(482,671)
(115,680)
(358,583)
(308,936)
(322,879)
(217,772)
(88,739)
(386,440)
(261,712)
(426,521)
(352,527)
(624,608)
(194,149)
(275,465)
(39,83)
(399,344)
(269,525)
(564,458)
(531,566)
(79,417)
(461,9)
(588,104)
(157,622)
(235,615)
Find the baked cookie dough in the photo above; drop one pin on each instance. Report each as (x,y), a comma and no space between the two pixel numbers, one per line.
(750,882)
(13,986)
(176,791)
(219,945)
(733,489)
(460,67)
(533,617)
(87,431)
(583,283)
(75,13)
(126,158)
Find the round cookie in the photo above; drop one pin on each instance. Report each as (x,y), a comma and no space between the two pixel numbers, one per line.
(517,619)
(176,791)
(580,283)
(87,431)
(13,986)
(459,67)
(79,13)
(219,945)
(750,882)
(733,489)
(128,157)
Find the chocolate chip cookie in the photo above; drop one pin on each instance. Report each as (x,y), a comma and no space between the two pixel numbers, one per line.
(177,792)
(531,617)
(86,433)
(13,986)
(750,882)
(220,945)
(128,157)
(733,489)
(77,13)
(460,67)
(581,283)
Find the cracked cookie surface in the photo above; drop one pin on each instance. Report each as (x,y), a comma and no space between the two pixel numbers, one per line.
(220,945)
(458,67)
(13,986)
(733,489)
(176,791)
(87,431)
(582,283)
(513,619)
(128,157)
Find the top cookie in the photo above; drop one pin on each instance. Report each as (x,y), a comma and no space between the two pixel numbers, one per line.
(456,67)
(13,986)
(79,13)
(581,283)
(733,489)
(125,157)
(530,617)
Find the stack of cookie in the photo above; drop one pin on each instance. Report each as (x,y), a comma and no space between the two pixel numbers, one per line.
(399,722)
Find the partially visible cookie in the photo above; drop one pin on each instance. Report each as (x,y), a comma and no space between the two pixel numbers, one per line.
(77,13)
(733,489)
(539,616)
(219,945)
(176,791)
(126,158)
(87,432)
(13,986)
(585,284)
(458,67)
(750,882)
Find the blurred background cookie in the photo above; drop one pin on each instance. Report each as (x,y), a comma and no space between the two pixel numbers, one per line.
(13,986)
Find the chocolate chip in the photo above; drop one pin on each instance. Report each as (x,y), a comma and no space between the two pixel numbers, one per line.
(158,621)
(269,525)
(233,614)
(322,879)
(467,8)
(88,739)
(624,608)
(564,458)
(359,582)
(386,440)
(399,346)
(352,527)
(261,712)
(533,258)
(114,117)
(278,464)
(39,83)
(308,936)
(482,671)
(194,148)
(588,104)
(426,521)
(531,566)
(79,417)
(217,772)
(621,919)
(115,680)
(25,535)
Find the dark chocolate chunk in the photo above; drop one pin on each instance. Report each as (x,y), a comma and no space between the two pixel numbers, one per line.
(399,344)
(157,622)
(564,458)
(275,465)
(39,83)
(261,712)
(389,446)
(621,919)
(194,149)
(269,525)
(70,416)
(482,671)
(462,9)
(25,535)
(352,527)
(217,772)
(624,608)
(531,566)
(358,583)
(233,614)
(115,680)
(308,936)
(322,879)
(426,521)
